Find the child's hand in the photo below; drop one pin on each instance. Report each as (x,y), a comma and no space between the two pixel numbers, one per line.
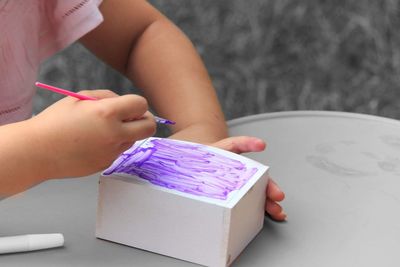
(80,137)
(243,144)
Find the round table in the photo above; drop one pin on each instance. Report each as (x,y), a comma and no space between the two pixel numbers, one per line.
(341,175)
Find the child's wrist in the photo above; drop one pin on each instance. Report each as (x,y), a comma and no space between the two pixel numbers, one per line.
(39,151)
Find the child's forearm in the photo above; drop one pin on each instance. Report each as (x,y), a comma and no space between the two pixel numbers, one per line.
(201,133)
(141,43)
(21,163)
(166,65)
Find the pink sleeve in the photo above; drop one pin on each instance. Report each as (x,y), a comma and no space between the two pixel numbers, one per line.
(64,22)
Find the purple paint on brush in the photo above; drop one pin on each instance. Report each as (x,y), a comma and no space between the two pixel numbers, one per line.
(164,121)
(185,167)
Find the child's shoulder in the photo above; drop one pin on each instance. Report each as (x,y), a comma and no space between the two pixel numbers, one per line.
(64,22)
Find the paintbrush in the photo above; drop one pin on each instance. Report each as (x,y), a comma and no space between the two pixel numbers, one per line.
(84,97)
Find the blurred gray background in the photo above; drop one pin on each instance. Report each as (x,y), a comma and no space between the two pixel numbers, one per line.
(272,55)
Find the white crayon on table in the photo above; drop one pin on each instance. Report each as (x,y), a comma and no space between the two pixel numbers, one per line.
(22,243)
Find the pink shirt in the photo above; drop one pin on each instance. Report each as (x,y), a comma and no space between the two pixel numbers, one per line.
(31,31)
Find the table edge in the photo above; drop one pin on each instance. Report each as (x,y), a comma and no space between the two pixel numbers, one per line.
(308,113)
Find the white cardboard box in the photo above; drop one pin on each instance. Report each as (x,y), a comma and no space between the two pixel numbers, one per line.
(182,222)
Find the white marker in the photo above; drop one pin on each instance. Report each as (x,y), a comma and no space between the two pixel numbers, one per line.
(21,243)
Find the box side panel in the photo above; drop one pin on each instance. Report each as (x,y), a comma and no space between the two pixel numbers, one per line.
(141,216)
(247,219)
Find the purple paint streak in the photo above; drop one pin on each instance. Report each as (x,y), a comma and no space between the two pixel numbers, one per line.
(185,167)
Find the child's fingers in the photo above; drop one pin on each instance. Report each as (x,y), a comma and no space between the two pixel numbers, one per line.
(274,195)
(274,210)
(99,93)
(126,107)
(272,207)
(241,144)
(274,192)
(140,128)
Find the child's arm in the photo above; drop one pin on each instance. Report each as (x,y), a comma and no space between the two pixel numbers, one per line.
(244,144)
(152,52)
(71,138)
(141,43)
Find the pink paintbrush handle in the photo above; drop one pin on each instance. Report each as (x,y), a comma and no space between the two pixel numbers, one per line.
(63,91)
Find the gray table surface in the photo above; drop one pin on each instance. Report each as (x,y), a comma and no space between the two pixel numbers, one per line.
(340,172)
